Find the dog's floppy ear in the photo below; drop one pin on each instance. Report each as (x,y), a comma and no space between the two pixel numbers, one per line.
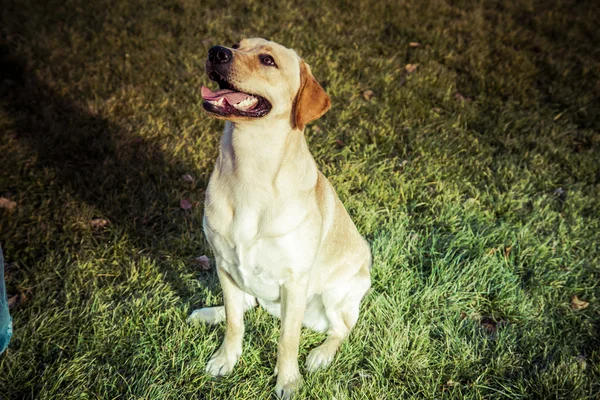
(311,101)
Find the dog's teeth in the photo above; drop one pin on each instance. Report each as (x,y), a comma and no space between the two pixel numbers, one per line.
(246,103)
(242,105)
(218,103)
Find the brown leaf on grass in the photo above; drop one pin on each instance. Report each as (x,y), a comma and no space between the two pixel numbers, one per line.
(507,251)
(410,68)
(414,44)
(459,97)
(7,203)
(463,315)
(489,325)
(18,299)
(491,328)
(187,178)
(339,142)
(203,261)
(185,204)
(98,223)
(13,301)
(368,94)
(578,304)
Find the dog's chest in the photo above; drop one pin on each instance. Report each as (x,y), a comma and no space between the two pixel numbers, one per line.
(260,246)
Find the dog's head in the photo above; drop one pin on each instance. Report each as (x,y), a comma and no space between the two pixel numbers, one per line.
(262,79)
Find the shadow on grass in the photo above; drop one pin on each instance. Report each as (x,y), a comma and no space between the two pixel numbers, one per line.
(128,180)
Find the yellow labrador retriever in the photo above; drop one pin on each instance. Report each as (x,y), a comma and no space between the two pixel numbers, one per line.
(279,232)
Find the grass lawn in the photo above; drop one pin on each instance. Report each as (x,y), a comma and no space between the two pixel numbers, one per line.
(474,173)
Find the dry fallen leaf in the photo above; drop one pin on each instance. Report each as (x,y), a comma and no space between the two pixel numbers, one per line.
(187,178)
(185,204)
(414,44)
(459,97)
(507,251)
(13,301)
(203,261)
(368,94)
(339,142)
(98,223)
(491,328)
(577,304)
(410,68)
(7,203)
(489,325)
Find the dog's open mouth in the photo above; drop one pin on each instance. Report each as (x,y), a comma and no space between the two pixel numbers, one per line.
(227,101)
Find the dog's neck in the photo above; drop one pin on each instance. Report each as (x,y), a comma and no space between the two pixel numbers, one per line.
(268,153)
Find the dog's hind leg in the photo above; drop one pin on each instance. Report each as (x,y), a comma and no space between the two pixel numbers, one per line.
(341,308)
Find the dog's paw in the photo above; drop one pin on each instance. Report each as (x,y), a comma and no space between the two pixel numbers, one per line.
(222,362)
(287,390)
(208,315)
(318,358)
(286,387)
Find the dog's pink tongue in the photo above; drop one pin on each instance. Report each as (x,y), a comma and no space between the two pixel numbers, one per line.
(231,96)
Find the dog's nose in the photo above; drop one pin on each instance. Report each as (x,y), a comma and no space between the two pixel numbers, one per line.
(219,55)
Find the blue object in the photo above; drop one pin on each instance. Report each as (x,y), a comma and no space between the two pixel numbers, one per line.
(5,319)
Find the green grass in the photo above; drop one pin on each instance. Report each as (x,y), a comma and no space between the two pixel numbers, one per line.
(483,214)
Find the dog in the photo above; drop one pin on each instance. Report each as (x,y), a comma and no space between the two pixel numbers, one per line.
(279,232)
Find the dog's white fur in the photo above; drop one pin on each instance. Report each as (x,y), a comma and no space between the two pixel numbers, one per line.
(279,233)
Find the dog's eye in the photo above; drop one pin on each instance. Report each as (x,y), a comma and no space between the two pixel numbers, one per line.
(267,60)
(236,46)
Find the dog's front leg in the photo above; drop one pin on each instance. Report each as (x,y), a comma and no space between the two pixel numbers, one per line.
(224,359)
(293,304)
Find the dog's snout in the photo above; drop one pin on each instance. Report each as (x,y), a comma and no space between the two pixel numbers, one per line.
(219,55)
